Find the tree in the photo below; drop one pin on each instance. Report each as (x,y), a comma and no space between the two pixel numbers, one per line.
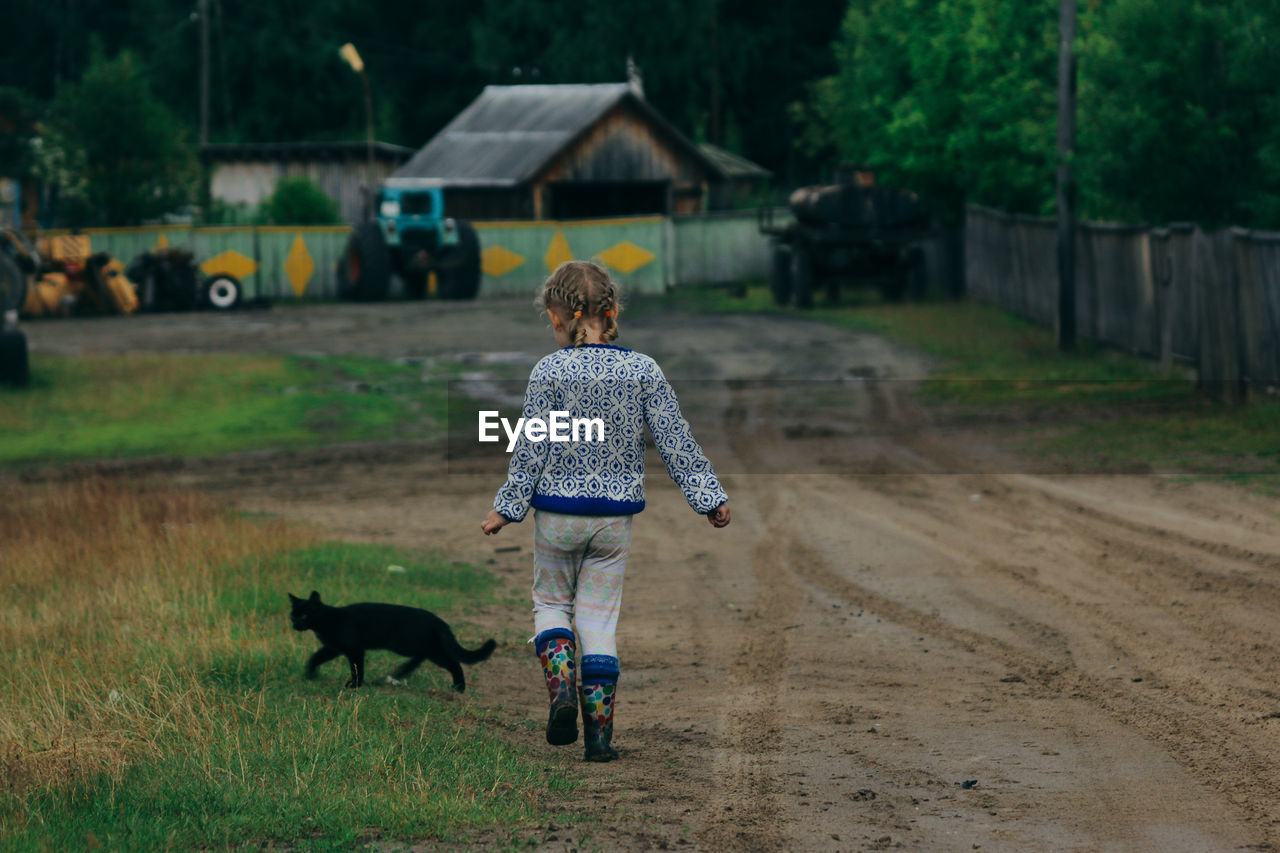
(137,160)
(956,99)
(298,200)
(1178,111)
(18,112)
(952,98)
(720,72)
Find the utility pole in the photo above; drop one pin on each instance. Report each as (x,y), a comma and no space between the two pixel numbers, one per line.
(1066,325)
(351,56)
(717,131)
(204,72)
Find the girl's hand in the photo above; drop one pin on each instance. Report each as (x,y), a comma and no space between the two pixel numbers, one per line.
(493,522)
(719,517)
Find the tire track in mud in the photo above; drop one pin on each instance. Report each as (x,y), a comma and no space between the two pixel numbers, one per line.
(1208,743)
(1149,562)
(1140,556)
(743,812)
(1199,725)
(1246,776)
(1257,559)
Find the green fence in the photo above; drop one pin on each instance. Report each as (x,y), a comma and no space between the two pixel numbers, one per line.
(646,254)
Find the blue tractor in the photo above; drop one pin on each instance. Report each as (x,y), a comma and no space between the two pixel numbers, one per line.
(411,236)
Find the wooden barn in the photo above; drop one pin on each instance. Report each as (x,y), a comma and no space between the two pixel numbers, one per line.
(575,151)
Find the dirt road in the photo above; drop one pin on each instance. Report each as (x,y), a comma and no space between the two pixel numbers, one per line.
(905,640)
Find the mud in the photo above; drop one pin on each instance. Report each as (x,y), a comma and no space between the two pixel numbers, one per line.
(907,639)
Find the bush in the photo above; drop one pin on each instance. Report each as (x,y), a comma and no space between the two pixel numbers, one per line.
(298,201)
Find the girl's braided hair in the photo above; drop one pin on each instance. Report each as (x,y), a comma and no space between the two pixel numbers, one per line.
(579,290)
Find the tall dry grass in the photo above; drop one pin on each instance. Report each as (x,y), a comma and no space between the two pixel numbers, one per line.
(108,614)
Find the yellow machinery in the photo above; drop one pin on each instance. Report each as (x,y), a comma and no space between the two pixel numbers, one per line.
(64,277)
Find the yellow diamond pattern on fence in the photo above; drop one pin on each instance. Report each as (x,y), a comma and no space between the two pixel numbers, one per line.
(496,260)
(162,242)
(230,263)
(626,257)
(299,265)
(558,252)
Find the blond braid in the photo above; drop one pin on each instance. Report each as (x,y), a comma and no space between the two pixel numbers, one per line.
(582,288)
(609,307)
(577,324)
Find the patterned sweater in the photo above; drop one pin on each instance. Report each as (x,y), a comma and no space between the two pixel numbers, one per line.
(626,390)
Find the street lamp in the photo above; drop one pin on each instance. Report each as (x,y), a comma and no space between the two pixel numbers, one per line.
(352,57)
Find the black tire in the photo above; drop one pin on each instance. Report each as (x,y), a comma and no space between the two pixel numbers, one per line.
(898,282)
(141,271)
(460,277)
(222,292)
(780,276)
(14,367)
(13,285)
(918,277)
(802,276)
(364,270)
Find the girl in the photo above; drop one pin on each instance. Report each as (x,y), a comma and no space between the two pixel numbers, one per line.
(585,492)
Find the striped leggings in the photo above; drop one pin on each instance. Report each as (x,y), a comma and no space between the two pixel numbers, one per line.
(578,562)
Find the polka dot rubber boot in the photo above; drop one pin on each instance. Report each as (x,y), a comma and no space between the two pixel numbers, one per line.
(556,654)
(597,721)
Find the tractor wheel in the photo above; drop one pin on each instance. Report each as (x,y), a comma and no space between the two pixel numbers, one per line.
(13,285)
(222,292)
(780,276)
(364,270)
(462,280)
(918,279)
(802,276)
(14,367)
(141,271)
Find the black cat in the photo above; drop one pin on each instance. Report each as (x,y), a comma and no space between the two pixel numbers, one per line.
(352,630)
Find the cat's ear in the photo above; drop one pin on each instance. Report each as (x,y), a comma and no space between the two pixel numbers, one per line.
(315,596)
(294,598)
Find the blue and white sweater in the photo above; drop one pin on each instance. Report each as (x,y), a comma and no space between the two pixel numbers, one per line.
(627,390)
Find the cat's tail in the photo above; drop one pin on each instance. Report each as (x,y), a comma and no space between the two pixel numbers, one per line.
(475,655)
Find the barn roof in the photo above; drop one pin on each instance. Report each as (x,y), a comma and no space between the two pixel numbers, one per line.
(509,133)
(732,165)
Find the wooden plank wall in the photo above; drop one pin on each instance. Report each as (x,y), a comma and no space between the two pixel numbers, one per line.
(1178,294)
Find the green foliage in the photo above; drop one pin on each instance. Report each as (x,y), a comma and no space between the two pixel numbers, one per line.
(18,112)
(721,72)
(298,200)
(276,75)
(131,152)
(1177,115)
(957,100)
(952,98)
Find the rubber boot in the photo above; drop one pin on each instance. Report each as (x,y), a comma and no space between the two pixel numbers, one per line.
(555,649)
(597,692)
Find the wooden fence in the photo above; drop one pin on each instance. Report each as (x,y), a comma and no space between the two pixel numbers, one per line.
(1177,294)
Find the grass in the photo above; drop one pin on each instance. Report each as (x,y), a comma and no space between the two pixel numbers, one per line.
(130,405)
(1092,409)
(152,695)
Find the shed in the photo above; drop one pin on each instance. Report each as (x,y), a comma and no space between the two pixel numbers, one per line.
(242,175)
(571,151)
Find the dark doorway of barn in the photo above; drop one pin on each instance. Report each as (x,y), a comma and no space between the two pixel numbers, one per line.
(589,199)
